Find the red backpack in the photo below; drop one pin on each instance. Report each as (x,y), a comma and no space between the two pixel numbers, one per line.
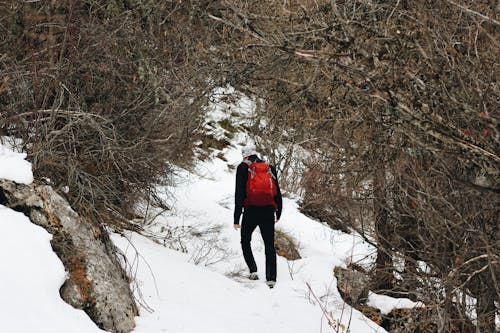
(261,186)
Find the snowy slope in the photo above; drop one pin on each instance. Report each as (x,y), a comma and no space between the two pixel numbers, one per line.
(189,298)
(31,274)
(215,295)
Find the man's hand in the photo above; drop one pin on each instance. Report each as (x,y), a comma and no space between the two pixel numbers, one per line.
(236,226)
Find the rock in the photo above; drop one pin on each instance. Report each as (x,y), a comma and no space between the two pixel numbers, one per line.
(97,283)
(285,246)
(352,284)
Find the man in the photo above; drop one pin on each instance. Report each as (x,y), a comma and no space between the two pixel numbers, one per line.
(263,214)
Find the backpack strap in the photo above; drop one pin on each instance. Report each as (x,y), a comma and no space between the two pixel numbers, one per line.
(270,171)
(250,170)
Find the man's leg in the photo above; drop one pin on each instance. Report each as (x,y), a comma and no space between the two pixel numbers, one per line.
(266,226)
(247,228)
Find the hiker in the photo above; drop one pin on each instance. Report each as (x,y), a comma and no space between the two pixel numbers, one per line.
(259,197)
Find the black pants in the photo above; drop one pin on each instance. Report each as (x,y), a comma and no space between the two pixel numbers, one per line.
(264,218)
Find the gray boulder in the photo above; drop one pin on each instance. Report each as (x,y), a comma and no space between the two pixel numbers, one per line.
(97,282)
(352,284)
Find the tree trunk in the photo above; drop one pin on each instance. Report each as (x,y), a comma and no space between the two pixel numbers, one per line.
(485,294)
(383,269)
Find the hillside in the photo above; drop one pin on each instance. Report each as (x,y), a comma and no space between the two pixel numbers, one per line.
(122,122)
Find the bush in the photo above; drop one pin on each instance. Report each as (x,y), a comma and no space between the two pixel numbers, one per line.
(104,93)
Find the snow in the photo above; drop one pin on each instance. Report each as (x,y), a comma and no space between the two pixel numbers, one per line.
(30,281)
(386,304)
(13,165)
(189,298)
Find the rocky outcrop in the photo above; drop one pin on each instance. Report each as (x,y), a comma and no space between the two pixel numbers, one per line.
(352,284)
(96,280)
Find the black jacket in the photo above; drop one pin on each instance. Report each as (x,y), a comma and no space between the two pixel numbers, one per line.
(241,193)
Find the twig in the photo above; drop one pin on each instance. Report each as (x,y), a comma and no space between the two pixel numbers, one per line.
(455,270)
(138,256)
(473,12)
(328,316)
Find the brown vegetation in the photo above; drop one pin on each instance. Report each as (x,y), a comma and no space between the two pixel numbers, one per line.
(102,94)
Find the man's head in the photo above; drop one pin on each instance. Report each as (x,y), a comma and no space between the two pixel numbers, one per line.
(248,150)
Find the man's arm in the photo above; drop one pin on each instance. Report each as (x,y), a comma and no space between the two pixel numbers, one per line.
(277,198)
(240,192)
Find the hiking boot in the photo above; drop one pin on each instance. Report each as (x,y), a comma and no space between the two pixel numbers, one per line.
(271,284)
(253,276)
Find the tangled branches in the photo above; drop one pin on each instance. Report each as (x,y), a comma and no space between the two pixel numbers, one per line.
(105,95)
(397,103)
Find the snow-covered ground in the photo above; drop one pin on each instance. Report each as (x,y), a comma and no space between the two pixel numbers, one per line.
(215,295)
(189,272)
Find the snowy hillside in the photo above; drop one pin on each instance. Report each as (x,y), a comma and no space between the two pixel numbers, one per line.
(188,298)
(189,274)
(215,295)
